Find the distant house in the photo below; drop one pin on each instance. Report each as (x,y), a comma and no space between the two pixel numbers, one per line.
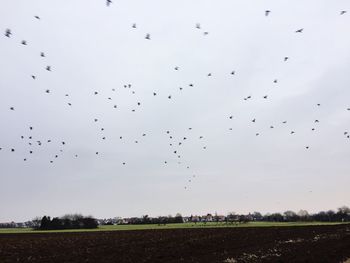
(207,218)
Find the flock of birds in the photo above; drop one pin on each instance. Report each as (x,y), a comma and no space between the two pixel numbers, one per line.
(174,141)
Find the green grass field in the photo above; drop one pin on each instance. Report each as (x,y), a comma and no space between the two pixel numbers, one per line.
(168,226)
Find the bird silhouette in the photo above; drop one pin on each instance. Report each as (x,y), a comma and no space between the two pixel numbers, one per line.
(299,30)
(148,36)
(343,12)
(108,2)
(8,33)
(267,12)
(37,17)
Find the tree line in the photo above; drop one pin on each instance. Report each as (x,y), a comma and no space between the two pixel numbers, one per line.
(77,221)
(74,221)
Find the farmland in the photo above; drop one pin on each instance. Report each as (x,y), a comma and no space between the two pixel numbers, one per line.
(312,243)
(170,226)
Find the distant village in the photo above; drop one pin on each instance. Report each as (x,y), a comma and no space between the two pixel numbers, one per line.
(341,215)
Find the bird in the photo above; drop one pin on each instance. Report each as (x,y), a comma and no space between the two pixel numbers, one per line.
(33,77)
(47,91)
(286,58)
(134,25)
(265,97)
(154,94)
(275,81)
(299,30)
(205,33)
(108,2)
(24,42)
(12,108)
(42,54)
(176,68)
(231,117)
(233,72)
(253,120)
(48,68)
(267,12)
(8,33)
(343,12)
(148,36)
(37,17)
(198,26)
(209,74)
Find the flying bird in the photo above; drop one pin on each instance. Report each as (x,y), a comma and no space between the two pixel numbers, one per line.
(108,2)
(37,17)
(343,12)
(148,36)
(299,30)
(8,33)
(267,12)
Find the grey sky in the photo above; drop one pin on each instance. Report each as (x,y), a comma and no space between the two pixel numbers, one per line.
(94,48)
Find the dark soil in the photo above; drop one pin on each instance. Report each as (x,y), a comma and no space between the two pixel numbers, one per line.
(270,244)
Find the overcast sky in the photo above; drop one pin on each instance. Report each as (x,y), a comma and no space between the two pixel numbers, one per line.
(94,48)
